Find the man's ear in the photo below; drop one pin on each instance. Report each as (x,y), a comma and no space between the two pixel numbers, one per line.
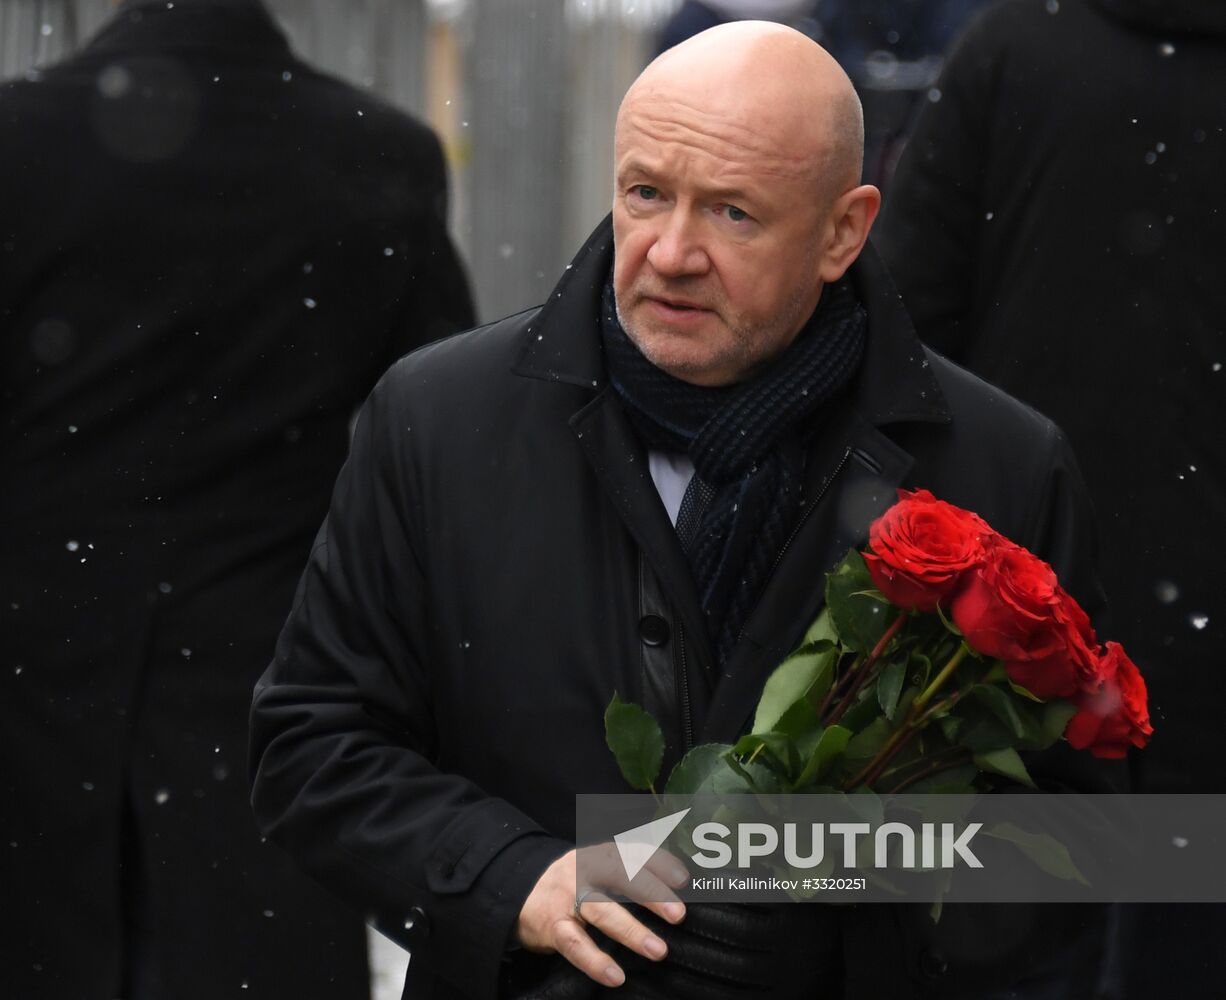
(851,217)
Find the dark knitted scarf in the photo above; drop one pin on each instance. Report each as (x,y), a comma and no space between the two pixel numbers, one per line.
(745,441)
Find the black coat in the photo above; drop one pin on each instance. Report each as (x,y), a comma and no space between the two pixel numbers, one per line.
(1054,225)
(475,598)
(208,254)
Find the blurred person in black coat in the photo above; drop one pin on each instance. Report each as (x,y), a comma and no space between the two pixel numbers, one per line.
(208,252)
(893,51)
(1054,225)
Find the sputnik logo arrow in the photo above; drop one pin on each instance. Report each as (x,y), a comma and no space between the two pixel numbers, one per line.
(638,845)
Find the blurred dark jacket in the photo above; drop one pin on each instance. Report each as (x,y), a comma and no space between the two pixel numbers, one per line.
(893,51)
(1056,224)
(208,253)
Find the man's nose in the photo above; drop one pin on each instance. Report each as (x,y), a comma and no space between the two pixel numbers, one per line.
(678,248)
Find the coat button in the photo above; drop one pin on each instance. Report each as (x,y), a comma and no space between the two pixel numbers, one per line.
(653,630)
(933,964)
(417,923)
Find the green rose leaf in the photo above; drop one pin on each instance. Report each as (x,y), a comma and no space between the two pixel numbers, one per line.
(981,730)
(801,675)
(1044,850)
(801,724)
(949,726)
(636,741)
(948,623)
(773,750)
(1053,720)
(697,769)
(829,746)
(738,778)
(953,781)
(822,630)
(1015,714)
(921,670)
(909,694)
(1004,761)
(856,608)
(869,740)
(864,712)
(1019,690)
(889,686)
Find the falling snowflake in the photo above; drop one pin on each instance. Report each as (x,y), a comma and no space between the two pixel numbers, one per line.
(1166,592)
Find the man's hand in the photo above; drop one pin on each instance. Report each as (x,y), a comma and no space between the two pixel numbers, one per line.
(550,920)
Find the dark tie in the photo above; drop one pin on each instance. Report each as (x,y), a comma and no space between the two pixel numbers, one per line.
(697,498)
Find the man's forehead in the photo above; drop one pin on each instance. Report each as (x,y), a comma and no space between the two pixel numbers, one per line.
(658,128)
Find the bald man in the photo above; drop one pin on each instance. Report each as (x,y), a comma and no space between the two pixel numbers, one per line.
(635,488)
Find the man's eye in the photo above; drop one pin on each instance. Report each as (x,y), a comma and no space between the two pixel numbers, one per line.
(736,214)
(646,192)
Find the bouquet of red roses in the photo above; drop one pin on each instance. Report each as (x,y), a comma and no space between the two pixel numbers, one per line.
(942,652)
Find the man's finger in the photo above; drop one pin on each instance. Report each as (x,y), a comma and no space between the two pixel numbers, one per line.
(600,865)
(672,910)
(571,941)
(618,924)
(668,869)
(649,891)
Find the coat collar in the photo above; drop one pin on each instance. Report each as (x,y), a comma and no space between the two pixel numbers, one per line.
(894,384)
(562,343)
(154,26)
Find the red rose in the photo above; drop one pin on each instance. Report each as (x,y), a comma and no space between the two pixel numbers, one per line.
(1115,715)
(1006,606)
(921,547)
(1073,666)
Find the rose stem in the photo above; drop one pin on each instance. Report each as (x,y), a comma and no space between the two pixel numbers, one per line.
(842,682)
(926,696)
(866,666)
(957,760)
(923,761)
(912,723)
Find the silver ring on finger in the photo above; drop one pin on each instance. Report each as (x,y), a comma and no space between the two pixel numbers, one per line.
(579,898)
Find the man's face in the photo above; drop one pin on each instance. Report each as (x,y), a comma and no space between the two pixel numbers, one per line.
(717,233)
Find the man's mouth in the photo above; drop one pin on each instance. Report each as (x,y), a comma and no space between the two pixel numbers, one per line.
(676,305)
